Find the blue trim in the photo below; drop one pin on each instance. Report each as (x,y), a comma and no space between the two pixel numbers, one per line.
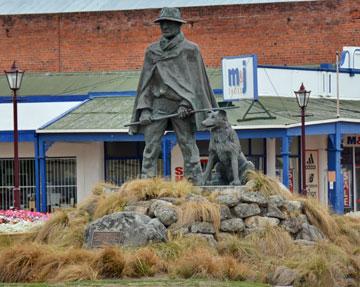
(356,50)
(218,91)
(45,99)
(336,195)
(342,70)
(62,115)
(24,136)
(255,76)
(43,185)
(96,137)
(112,94)
(37,174)
(343,57)
(285,153)
(319,129)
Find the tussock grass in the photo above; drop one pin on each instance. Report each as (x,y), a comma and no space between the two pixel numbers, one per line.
(110,263)
(326,265)
(64,228)
(272,241)
(320,216)
(75,272)
(56,253)
(202,263)
(145,189)
(240,249)
(199,209)
(143,262)
(267,185)
(111,203)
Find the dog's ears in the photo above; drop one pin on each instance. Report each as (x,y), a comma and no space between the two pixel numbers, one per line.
(222,113)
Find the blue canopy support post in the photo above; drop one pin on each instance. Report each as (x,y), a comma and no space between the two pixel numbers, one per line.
(37,174)
(285,155)
(42,160)
(335,191)
(166,150)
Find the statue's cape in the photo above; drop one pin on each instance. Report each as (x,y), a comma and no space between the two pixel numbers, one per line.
(181,67)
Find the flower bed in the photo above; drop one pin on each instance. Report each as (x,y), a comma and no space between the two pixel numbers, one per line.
(13,221)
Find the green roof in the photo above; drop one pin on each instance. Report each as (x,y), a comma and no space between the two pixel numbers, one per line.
(111,113)
(55,84)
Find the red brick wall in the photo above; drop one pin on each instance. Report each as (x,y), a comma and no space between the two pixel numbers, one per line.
(284,33)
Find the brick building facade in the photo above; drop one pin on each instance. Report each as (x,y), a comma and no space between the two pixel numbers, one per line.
(297,33)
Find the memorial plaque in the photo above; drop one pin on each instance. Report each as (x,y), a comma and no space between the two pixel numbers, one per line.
(105,238)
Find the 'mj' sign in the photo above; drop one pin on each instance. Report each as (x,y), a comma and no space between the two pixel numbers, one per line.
(240,78)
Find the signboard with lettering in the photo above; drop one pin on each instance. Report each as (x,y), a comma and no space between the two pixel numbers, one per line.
(312,172)
(240,78)
(351,141)
(105,238)
(347,182)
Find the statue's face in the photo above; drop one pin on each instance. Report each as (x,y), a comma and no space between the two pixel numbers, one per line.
(170,29)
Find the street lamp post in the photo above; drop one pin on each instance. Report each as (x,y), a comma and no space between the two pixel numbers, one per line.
(14,77)
(302,96)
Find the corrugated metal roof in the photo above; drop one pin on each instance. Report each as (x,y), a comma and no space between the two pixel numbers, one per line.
(31,116)
(111,113)
(18,7)
(85,83)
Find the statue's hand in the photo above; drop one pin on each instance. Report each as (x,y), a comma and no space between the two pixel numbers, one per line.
(145,117)
(184,112)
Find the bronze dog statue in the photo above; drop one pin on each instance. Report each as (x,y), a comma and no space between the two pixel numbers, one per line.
(225,151)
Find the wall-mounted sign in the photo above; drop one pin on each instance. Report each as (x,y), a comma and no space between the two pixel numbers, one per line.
(351,140)
(240,78)
(312,173)
(347,182)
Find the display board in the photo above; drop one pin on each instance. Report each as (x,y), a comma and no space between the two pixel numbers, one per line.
(240,78)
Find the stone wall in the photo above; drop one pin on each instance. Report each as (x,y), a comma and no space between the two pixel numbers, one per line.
(234,210)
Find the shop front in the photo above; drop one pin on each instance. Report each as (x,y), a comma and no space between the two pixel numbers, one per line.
(350,161)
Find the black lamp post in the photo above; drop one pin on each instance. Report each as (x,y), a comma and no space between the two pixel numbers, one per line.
(302,96)
(14,77)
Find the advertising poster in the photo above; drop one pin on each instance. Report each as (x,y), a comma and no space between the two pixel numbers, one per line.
(347,180)
(240,77)
(312,173)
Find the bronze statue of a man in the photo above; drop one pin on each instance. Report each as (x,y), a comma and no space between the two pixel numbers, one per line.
(173,80)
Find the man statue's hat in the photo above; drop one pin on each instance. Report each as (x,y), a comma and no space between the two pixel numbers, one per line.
(170,14)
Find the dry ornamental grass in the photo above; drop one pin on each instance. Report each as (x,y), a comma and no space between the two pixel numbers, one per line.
(54,253)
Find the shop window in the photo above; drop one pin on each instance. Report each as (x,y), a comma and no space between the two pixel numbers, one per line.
(124,149)
(294,163)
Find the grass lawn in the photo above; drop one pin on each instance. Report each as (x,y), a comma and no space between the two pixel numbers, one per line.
(146,283)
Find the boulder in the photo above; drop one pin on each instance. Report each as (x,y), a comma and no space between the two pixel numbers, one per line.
(225,212)
(164,211)
(229,197)
(155,203)
(294,206)
(232,225)
(292,225)
(284,276)
(260,222)
(310,232)
(139,207)
(277,200)
(254,197)
(202,227)
(244,210)
(273,211)
(133,229)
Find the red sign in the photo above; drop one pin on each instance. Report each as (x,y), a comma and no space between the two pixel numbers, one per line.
(346,175)
(179,173)
(291,180)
